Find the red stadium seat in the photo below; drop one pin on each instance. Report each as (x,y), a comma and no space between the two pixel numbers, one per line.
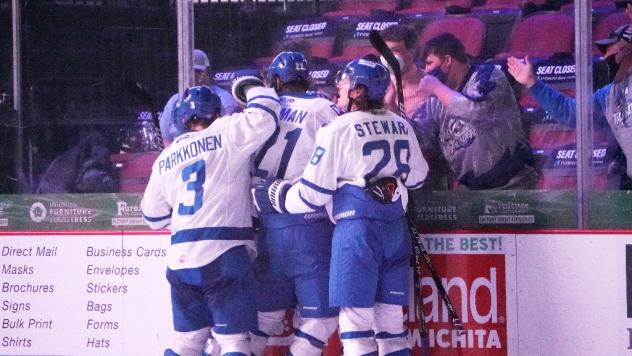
(554,146)
(606,25)
(353,49)
(321,47)
(318,45)
(424,6)
(596,4)
(491,5)
(541,34)
(469,29)
(362,7)
(262,62)
(134,170)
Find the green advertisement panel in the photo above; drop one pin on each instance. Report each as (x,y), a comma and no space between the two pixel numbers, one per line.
(71,212)
(434,211)
(495,210)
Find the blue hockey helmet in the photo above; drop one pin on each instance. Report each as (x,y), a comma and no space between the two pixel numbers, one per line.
(197,102)
(288,66)
(374,76)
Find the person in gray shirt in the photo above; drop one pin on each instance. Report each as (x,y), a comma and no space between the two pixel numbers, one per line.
(473,118)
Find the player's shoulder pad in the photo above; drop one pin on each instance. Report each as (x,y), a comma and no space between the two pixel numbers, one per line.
(346,119)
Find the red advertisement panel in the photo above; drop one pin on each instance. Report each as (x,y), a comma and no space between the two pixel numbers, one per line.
(476,286)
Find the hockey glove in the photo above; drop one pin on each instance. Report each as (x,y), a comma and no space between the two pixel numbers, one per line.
(241,85)
(269,195)
(385,190)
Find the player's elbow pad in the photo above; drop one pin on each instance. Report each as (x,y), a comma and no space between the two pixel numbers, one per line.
(157,225)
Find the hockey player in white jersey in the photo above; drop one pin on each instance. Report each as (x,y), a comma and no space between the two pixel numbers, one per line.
(371,244)
(294,250)
(200,186)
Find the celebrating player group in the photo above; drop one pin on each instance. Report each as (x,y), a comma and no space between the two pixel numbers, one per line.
(327,183)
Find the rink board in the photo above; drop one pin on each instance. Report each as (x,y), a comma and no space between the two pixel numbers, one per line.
(103,293)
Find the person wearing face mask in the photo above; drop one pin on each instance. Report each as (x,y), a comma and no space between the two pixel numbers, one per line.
(403,42)
(612,103)
(473,118)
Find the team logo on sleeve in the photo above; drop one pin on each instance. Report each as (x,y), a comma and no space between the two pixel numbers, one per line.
(318,154)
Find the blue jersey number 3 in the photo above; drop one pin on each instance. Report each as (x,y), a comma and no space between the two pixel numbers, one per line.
(199,168)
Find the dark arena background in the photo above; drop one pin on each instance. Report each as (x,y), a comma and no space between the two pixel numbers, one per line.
(542,271)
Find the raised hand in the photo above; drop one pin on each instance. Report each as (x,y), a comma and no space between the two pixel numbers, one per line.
(521,70)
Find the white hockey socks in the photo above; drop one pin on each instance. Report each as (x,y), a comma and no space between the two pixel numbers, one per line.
(212,347)
(391,334)
(270,323)
(233,344)
(311,335)
(190,343)
(356,331)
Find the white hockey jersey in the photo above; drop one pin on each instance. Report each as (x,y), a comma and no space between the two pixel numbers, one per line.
(288,150)
(355,149)
(200,184)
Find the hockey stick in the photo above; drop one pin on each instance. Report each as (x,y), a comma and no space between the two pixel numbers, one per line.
(378,43)
(146,98)
(420,251)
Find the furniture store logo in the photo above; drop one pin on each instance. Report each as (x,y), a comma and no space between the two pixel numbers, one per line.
(499,212)
(60,212)
(127,214)
(38,212)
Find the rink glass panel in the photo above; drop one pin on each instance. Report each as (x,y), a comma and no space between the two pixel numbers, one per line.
(81,61)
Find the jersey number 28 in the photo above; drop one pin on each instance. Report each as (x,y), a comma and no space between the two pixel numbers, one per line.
(383,146)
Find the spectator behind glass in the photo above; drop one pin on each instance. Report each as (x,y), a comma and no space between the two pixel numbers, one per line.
(473,116)
(626,5)
(201,66)
(403,41)
(610,104)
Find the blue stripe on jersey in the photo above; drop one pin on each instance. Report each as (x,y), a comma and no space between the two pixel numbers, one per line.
(356,334)
(387,335)
(310,205)
(306,95)
(264,108)
(416,186)
(263,97)
(259,333)
(156,219)
(316,187)
(311,339)
(212,233)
